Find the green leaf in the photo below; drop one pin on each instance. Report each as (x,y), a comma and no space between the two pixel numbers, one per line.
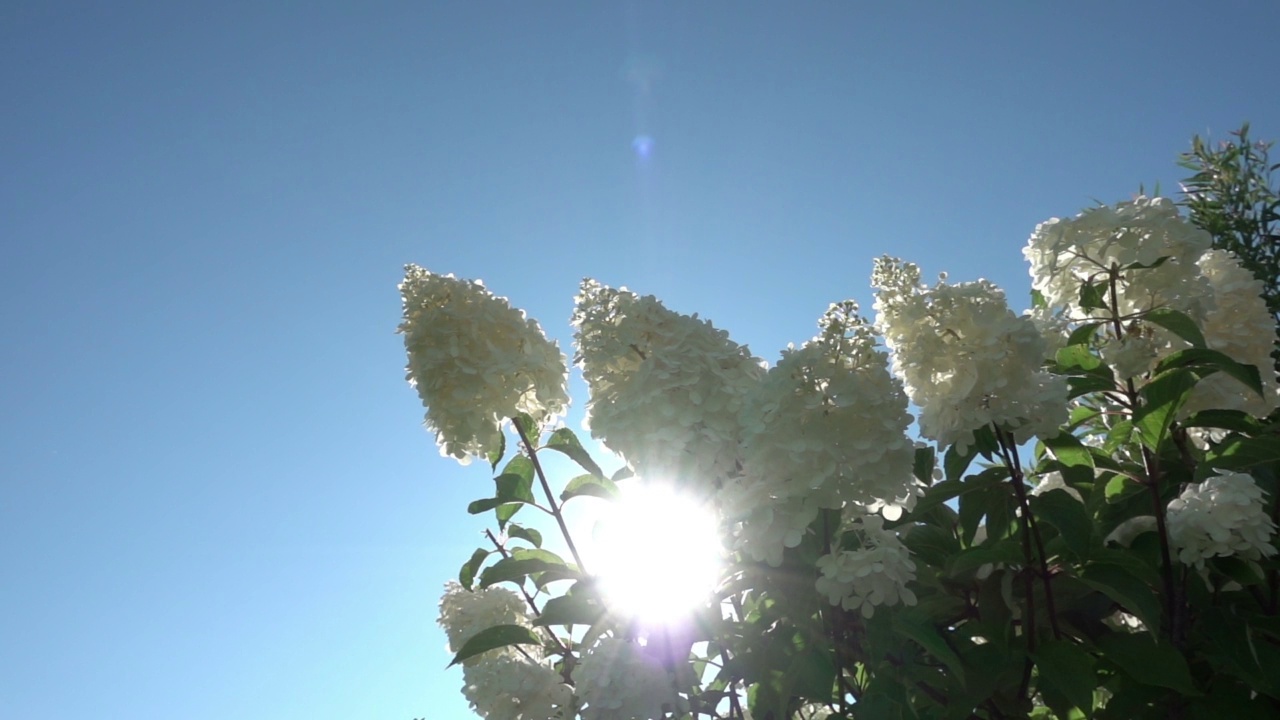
(930,639)
(1240,453)
(931,544)
(467,574)
(954,463)
(524,421)
(1077,359)
(1178,324)
(478,506)
(565,442)
(513,487)
(1224,420)
(1092,298)
(496,637)
(1067,668)
(1136,597)
(1068,515)
(593,485)
(495,455)
(1075,458)
(1138,655)
(1121,488)
(529,535)
(520,466)
(522,563)
(997,553)
(1213,360)
(1083,335)
(924,462)
(1161,399)
(570,610)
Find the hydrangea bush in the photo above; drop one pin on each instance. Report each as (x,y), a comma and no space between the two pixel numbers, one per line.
(1087,527)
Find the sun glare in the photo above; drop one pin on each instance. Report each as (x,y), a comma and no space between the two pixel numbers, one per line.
(657,553)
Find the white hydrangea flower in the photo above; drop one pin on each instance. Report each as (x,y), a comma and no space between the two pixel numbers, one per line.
(509,687)
(666,389)
(1054,327)
(1054,481)
(1223,516)
(617,680)
(967,361)
(1065,254)
(875,574)
(1240,326)
(475,362)
(463,613)
(827,427)
(765,524)
(1134,354)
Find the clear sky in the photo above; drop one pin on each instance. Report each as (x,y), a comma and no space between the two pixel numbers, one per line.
(216,497)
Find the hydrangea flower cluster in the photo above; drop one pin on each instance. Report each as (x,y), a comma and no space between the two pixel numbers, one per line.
(475,361)
(666,389)
(514,688)
(1066,254)
(873,575)
(826,427)
(617,680)
(966,359)
(463,613)
(1222,516)
(1241,326)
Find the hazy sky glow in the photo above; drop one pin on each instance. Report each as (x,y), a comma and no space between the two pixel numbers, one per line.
(216,497)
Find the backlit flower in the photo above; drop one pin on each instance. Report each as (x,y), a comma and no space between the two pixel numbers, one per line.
(475,362)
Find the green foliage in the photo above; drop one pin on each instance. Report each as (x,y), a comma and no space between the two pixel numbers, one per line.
(1233,195)
(1032,598)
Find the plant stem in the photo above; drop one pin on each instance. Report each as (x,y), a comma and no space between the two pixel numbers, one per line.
(527,597)
(546,489)
(1029,523)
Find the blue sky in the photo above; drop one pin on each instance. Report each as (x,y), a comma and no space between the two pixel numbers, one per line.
(216,498)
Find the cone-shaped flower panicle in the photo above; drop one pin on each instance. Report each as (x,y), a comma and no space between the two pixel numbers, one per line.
(666,389)
(967,361)
(1145,235)
(826,427)
(475,362)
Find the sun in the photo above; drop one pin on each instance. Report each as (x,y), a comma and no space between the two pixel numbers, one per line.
(657,553)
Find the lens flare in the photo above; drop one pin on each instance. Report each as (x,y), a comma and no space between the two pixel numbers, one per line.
(658,554)
(643,146)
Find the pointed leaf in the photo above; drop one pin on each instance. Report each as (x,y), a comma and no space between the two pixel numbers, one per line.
(1068,515)
(1213,360)
(565,442)
(496,637)
(1148,662)
(1178,324)
(929,638)
(1091,298)
(1162,397)
(1131,593)
(467,574)
(1240,453)
(593,485)
(533,537)
(570,610)
(1067,668)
